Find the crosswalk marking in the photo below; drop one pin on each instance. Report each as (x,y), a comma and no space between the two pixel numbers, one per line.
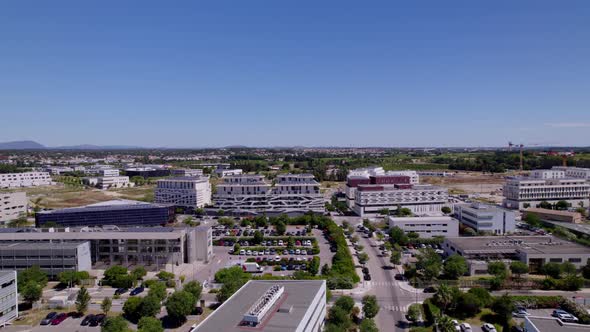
(381,283)
(391,307)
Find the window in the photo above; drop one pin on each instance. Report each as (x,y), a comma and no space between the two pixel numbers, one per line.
(555,260)
(575,260)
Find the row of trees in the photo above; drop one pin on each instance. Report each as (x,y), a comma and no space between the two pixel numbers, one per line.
(344,315)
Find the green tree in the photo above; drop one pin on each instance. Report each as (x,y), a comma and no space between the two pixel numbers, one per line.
(314,266)
(561,205)
(258,237)
(150,306)
(72,277)
(552,270)
(519,268)
(568,268)
(368,325)
(468,305)
(34,274)
(443,296)
(468,231)
(158,289)
(340,318)
(429,264)
(545,205)
(503,306)
(220,212)
(150,324)
(281,228)
(179,305)
(138,273)
(31,292)
(82,300)
(115,324)
(414,312)
(164,275)
(444,323)
(384,212)
(455,266)
(586,271)
(497,269)
(403,212)
(132,308)
(106,305)
(363,258)
(483,295)
(397,235)
(195,288)
(396,257)
(113,273)
(370,306)
(533,219)
(445,210)
(345,302)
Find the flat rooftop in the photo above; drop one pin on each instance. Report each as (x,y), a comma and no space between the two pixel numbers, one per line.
(39,246)
(539,244)
(581,228)
(108,206)
(551,324)
(298,294)
(553,212)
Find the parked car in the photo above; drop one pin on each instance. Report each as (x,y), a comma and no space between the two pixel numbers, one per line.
(367,277)
(137,290)
(50,316)
(520,312)
(87,320)
(121,291)
(456,324)
(98,320)
(242,252)
(516,328)
(304,252)
(277,258)
(297,252)
(564,316)
(487,327)
(465,327)
(59,318)
(75,314)
(365,270)
(193,327)
(249,252)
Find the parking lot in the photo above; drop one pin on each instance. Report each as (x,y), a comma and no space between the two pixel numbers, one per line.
(70,324)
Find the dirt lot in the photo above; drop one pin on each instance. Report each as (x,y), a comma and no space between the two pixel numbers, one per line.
(469,183)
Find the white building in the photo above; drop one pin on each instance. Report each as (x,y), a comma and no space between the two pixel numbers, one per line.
(523,192)
(222,172)
(108,172)
(427,227)
(9,303)
(486,218)
(27,179)
(547,174)
(291,193)
(108,182)
(574,172)
(188,192)
(12,205)
(376,175)
(423,200)
(186,172)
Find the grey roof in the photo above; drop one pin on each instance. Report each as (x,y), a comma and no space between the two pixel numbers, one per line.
(581,228)
(539,244)
(39,246)
(553,324)
(87,208)
(298,293)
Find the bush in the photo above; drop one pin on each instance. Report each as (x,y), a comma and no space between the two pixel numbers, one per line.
(483,295)
(469,305)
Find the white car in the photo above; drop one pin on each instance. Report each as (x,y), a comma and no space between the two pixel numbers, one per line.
(242,252)
(255,253)
(564,316)
(304,252)
(249,252)
(487,327)
(465,327)
(297,252)
(280,242)
(456,323)
(277,258)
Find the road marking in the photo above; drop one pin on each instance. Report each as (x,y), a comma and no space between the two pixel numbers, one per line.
(396,308)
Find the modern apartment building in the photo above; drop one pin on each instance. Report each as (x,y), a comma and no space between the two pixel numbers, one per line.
(147,171)
(12,206)
(486,218)
(376,175)
(547,174)
(186,172)
(8,297)
(422,200)
(252,193)
(115,212)
(427,227)
(271,306)
(52,258)
(27,179)
(153,247)
(524,192)
(574,172)
(185,192)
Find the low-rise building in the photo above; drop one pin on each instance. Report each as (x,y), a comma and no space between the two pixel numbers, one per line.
(185,192)
(8,296)
(26,179)
(271,306)
(223,172)
(147,171)
(110,182)
(524,192)
(114,212)
(486,218)
(12,206)
(427,227)
(152,247)
(186,172)
(52,258)
(574,172)
(555,215)
(532,250)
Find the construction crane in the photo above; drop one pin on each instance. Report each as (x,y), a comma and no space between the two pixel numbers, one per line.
(563,155)
(520,148)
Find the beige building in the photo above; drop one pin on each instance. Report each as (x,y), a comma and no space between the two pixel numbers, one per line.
(555,215)
(12,205)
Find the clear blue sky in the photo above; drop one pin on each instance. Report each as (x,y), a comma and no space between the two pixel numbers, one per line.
(314,73)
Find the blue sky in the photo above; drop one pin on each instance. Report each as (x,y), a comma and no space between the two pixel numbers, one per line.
(279,73)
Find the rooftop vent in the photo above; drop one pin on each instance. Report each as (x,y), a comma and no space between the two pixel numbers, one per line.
(257,311)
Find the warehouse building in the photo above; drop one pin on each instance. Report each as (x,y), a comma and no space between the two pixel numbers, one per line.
(52,258)
(147,246)
(114,212)
(271,306)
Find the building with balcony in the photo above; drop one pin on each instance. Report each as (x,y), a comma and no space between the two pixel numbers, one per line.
(185,192)
(524,192)
(422,200)
(27,179)
(574,172)
(486,218)
(12,206)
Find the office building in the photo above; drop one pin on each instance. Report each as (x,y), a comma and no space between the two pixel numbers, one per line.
(8,297)
(547,174)
(147,171)
(441,174)
(555,215)
(532,250)
(271,306)
(186,172)
(115,212)
(427,227)
(110,172)
(52,258)
(153,247)
(376,175)
(422,200)
(12,206)
(524,192)
(111,182)
(27,179)
(486,218)
(185,192)
(253,194)
(223,172)
(574,172)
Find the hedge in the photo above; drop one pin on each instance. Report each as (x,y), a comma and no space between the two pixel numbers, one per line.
(537,302)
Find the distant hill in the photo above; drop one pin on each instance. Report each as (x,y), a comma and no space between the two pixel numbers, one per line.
(21,145)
